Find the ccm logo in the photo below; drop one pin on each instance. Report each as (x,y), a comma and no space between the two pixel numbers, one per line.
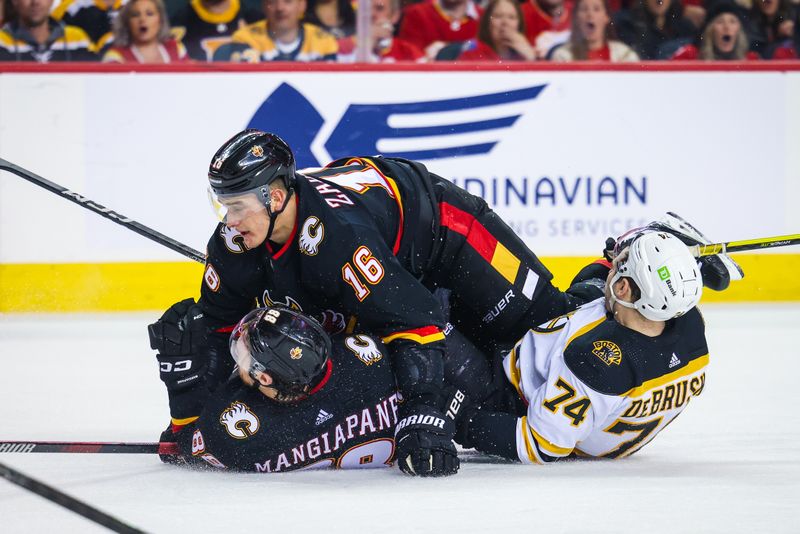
(169,367)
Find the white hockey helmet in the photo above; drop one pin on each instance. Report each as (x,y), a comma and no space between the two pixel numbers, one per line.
(665,272)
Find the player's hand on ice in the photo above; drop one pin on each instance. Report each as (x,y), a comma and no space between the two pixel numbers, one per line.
(424,439)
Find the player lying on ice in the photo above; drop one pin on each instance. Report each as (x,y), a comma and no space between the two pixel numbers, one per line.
(601,381)
(297,400)
(362,245)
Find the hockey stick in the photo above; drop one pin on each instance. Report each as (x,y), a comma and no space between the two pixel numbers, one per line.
(748,244)
(112,215)
(88,447)
(62,499)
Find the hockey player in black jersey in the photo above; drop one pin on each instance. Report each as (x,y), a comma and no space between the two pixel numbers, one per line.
(602,381)
(298,400)
(361,244)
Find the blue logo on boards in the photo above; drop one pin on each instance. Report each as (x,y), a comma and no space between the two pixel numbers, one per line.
(292,116)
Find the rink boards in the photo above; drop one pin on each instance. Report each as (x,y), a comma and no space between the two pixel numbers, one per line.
(566,157)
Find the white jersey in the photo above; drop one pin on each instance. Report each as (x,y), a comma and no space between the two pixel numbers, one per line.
(595,388)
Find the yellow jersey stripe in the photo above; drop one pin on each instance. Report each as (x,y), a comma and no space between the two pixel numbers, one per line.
(554,450)
(182,422)
(505,263)
(422,340)
(693,366)
(529,449)
(514,372)
(583,330)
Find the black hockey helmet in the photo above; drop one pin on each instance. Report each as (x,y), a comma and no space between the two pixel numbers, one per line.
(249,160)
(291,347)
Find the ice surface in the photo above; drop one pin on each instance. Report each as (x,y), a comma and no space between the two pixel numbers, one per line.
(729,463)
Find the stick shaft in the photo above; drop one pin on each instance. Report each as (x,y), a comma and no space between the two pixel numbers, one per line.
(109,214)
(88,447)
(68,502)
(747,244)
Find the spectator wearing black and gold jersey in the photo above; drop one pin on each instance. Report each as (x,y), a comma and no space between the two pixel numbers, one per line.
(282,36)
(92,16)
(32,35)
(205,25)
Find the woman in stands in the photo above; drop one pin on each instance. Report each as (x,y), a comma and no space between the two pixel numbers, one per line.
(722,39)
(142,35)
(772,29)
(654,28)
(501,35)
(592,36)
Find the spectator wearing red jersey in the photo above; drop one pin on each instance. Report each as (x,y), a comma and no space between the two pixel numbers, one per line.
(655,29)
(722,39)
(592,36)
(501,35)
(432,24)
(547,23)
(771,29)
(142,35)
(385,47)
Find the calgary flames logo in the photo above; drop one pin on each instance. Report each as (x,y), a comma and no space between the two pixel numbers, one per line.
(364,348)
(311,236)
(257,151)
(239,421)
(608,351)
(296,353)
(233,239)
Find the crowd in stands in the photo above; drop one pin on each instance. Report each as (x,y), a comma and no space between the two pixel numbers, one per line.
(148,31)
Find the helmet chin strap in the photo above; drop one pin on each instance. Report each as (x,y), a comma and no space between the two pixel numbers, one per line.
(273,215)
(613,297)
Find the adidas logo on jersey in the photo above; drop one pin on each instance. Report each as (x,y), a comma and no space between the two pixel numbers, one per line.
(322,416)
(674,361)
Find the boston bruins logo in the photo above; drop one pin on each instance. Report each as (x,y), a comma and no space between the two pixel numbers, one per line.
(608,351)
(239,421)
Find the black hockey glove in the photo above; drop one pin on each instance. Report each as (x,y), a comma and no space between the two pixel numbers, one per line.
(424,439)
(717,270)
(180,337)
(170,436)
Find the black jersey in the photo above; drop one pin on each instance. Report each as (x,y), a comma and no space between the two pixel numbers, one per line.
(95,18)
(373,237)
(353,256)
(202,31)
(348,420)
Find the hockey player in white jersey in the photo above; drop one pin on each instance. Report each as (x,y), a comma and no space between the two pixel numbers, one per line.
(602,381)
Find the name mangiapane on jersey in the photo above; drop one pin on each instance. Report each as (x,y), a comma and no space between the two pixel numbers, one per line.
(369,420)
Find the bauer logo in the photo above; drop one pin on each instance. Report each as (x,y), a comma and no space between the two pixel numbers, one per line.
(377,127)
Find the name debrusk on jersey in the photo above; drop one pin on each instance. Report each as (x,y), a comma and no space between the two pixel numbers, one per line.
(595,388)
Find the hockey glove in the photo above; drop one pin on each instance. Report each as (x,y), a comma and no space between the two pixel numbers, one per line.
(717,270)
(424,440)
(180,337)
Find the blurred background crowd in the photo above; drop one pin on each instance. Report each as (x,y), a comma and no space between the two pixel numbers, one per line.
(168,31)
